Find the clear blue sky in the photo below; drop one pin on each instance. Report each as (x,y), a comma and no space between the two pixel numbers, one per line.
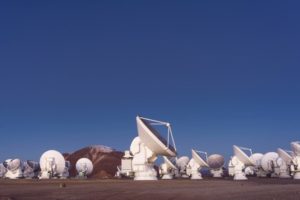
(75,73)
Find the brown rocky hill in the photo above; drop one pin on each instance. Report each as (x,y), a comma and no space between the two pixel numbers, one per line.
(104,159)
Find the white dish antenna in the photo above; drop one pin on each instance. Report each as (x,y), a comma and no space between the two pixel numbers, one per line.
(215,161)
(196,163)
(284,154)
(30,169)
(169,162)
(196,156)
(242,156)
(167,169)
(152,138)
(14,164)
(256,159)
(84,167)
(239,162)
(52,162)
(295,166)
(269,163)
(148,145)
(181,164)
(14,168)
(296,148)
(33,164)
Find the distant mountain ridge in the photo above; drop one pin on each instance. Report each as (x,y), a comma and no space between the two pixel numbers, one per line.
(105,160)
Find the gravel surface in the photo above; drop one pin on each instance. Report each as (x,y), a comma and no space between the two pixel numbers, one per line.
(253,189)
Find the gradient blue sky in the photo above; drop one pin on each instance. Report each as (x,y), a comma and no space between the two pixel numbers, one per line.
(75,73)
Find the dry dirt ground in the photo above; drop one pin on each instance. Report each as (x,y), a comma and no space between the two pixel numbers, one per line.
(111,189)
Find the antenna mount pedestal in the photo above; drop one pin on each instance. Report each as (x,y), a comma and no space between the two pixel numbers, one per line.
(296,167)
(194,170)
(217,173)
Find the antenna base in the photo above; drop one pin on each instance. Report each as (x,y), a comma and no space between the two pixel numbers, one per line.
(14,174)
(144,172)
(297,175)
(167,176)
(196,176)
(240,176)
(217,173)
(44,175)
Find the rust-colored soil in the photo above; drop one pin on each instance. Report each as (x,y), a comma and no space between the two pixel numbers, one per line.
(224,189)
(105,162)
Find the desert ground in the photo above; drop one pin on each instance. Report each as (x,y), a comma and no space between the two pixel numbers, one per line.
(224,189)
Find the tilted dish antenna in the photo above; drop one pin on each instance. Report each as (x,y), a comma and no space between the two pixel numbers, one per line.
(148,145)
(286,155)
(84,167)
(269,164)
(14,169)
(295,166)
(284,162)
(196,163)
(216,163)
(167,168)
(181,164)
(296,148)
(14,164)
(153,139)
(31,169)
(239,162)
(52,164)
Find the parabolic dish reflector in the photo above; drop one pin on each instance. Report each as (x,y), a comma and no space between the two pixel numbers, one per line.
(296,148)
(215,161)
(57,157)
(256,159)
(14,164)
(152,139)
(32,164)
(284,155)
(84,164)
(268,161)
(182,161)
(169,162)
(198,159)
(242,156)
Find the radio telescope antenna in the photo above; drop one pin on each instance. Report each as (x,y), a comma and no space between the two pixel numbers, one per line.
(31,169)
(148,145)
(284,162)
(216,163)
(269,164)
(295,166)
(161,123)
(52,164)
(239,162)
(84,167)
(14,169)
(256,159)
(168,168)
(182,164)
(196,163)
